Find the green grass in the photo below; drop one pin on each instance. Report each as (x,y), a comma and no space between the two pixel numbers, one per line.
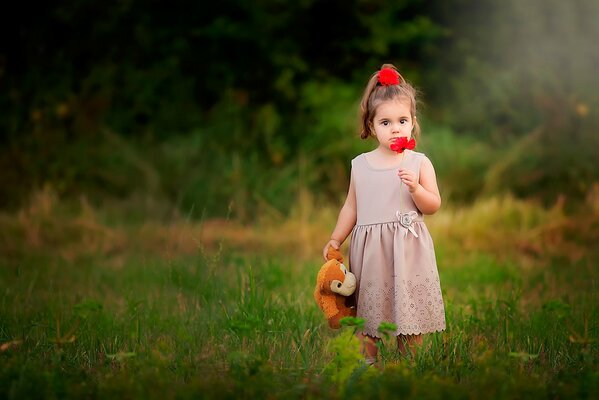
(121,319)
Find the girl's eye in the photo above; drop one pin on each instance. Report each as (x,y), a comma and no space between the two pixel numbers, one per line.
(385,123)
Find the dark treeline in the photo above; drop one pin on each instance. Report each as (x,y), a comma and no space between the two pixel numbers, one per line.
(231,105)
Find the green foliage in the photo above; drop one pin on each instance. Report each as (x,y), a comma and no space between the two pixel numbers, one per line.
(245,129)
(461,162)
(552,161)
(356,322)
(347,357)
(386,328)
(232,110)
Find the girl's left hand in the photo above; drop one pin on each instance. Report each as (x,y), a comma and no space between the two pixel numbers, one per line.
(409,178)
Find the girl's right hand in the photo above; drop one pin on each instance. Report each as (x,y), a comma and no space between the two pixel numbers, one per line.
(333,242)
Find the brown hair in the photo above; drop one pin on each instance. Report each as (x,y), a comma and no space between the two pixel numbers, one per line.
(375,94)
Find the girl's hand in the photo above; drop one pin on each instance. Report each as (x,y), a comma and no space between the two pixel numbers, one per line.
(409,178)
(333,242)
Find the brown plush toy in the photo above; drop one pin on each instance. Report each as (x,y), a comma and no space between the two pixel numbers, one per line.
(333,284)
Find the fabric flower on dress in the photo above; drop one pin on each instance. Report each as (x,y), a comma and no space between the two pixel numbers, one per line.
(388,77)
(402,143)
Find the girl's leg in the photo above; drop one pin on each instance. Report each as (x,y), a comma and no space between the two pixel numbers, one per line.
(368,347)
(408,343)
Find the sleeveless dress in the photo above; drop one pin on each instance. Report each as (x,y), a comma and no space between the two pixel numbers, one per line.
(395,266)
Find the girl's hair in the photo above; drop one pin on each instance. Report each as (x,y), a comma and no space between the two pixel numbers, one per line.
(375,94)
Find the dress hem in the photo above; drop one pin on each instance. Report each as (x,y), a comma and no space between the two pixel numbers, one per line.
(400,332)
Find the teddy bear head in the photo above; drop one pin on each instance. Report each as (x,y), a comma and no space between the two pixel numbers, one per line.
(334,277)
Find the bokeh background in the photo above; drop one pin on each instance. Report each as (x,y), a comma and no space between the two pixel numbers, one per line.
(199,140)
(230,107)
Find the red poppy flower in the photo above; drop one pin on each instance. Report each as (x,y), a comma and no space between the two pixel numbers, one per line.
(402,143)
(388,77)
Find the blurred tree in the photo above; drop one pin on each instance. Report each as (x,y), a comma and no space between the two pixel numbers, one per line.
(76,68)
(257,88)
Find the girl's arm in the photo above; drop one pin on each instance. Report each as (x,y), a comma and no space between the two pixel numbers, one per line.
(424,190)
(345,221)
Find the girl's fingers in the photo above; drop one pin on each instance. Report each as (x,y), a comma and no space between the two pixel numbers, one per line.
(408,181)
(325,251)
(408,177)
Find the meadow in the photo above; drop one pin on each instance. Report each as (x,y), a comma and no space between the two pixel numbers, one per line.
(165,194)
(97,303)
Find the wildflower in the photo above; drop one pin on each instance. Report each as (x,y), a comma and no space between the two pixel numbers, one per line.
(402,143)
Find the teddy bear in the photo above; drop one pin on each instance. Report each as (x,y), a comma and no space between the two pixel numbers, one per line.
(334,284)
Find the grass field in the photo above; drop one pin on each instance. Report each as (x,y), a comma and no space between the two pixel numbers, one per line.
(96,304)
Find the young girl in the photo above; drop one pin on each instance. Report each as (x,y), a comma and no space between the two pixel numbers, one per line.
(391,250)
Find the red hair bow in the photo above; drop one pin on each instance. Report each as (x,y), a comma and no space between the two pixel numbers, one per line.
(388,77)
(402,143)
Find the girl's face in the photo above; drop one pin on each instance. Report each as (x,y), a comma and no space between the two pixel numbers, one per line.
(392,119)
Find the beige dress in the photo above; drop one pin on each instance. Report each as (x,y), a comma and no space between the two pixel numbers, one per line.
(395,266)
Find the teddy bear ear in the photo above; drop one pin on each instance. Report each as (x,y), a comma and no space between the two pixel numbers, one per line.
(334,254)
